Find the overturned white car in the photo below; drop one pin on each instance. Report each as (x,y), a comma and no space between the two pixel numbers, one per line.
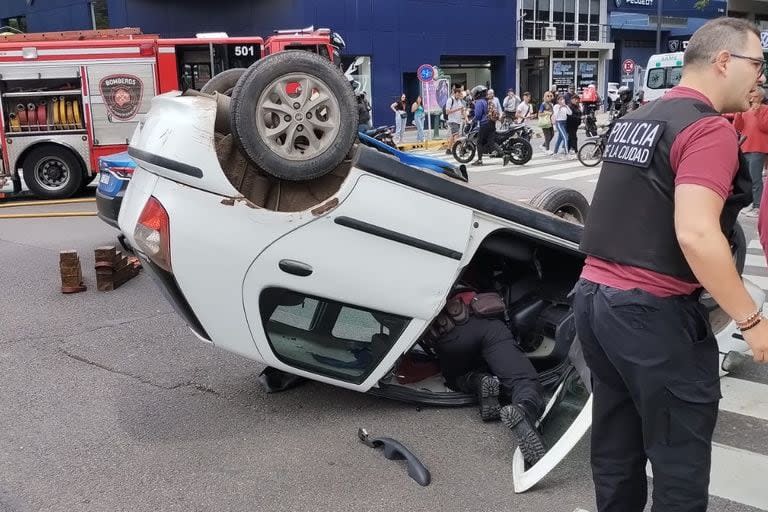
(278,237)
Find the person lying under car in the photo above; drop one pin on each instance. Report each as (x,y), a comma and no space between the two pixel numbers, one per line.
(479,355)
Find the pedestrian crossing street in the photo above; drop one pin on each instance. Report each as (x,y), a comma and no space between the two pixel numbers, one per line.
(557,168)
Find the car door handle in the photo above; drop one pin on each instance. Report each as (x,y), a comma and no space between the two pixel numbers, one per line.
(296,268)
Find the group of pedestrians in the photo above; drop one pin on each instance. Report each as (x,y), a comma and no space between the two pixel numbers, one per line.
(401,108)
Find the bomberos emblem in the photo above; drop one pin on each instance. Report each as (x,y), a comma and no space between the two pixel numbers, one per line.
(122,95)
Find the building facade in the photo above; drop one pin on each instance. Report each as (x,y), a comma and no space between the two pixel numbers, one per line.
(471,41)
(633,25)
(562,43)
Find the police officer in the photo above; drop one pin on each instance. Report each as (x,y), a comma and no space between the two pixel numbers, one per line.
(471,343)
(672,185)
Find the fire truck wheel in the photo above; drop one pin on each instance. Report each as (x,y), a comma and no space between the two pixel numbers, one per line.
(53,172)
(294,115)
(224,82)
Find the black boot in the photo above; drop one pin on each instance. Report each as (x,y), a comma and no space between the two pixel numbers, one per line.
(522,423)
(486,387)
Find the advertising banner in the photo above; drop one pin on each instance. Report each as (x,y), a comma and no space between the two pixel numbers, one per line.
(434,94)
(676,8)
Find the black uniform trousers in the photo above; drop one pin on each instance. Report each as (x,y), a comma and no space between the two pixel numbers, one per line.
(485,138)
(655,383)
(485,344)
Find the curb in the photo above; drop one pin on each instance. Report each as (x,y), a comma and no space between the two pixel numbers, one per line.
(407,146)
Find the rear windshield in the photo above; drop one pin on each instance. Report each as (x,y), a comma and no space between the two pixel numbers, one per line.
(664,78)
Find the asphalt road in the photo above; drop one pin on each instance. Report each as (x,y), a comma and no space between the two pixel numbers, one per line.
(109,403)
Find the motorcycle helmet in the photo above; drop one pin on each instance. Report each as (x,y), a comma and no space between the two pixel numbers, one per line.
(479,91)
(625,95)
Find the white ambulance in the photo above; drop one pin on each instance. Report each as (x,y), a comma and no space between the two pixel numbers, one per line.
(663,72)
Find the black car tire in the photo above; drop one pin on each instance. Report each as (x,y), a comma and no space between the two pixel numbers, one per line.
(521,152)
(224,82)
(593,149)
(59,158)
(308,164)
(738,242)
(463,151)
(564,202)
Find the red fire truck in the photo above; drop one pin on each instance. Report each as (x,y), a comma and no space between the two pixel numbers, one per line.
(67,98)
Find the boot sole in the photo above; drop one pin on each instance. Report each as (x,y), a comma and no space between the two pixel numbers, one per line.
(490,408)
(528,439)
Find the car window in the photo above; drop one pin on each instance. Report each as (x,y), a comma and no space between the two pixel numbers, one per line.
(327,337)
(353,324)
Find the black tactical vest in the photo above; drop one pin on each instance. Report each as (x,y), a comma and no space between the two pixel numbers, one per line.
(631,218)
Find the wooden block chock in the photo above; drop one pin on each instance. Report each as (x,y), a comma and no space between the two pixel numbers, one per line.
(71,272)
(113,269)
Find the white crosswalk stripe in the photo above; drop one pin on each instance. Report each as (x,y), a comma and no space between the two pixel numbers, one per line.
(575,174)
(541,165)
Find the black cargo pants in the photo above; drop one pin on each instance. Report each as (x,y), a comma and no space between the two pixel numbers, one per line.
(654,364)
(485,344)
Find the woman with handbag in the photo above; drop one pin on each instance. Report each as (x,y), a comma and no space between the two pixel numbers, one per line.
(401,117)
(545,121)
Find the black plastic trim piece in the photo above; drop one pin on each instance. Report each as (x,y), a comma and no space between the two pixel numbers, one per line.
(167,284)
(395,450)
(377,163)
(295,268)
(167,163)
(372,229)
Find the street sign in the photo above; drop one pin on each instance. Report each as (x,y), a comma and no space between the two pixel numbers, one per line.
(628,66)
(426,72)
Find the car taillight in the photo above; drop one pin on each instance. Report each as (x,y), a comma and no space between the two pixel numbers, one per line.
(123,172)
(153,234)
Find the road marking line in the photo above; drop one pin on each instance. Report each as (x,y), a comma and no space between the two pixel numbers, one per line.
(574,174)
(744,397)
(755,260)
(540,170)
(737,475)
(761,281)
(755,244)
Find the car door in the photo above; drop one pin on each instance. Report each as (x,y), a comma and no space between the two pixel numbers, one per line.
(340,298)
(566,418)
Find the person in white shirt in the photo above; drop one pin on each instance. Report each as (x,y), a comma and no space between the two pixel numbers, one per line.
(560,115)
(524,109)
(454,110)
(511,103)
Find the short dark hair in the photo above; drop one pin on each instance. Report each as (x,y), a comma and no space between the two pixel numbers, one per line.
(717,35)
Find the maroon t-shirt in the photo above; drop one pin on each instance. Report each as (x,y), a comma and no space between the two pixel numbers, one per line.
(706,154)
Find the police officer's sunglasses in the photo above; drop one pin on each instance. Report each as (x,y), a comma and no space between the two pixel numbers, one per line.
(752,59)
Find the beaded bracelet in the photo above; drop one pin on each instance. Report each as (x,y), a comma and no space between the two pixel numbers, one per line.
(749,319)
(751,325)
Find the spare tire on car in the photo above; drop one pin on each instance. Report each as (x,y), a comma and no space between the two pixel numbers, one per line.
(294,115)
(564,202)
(224,82)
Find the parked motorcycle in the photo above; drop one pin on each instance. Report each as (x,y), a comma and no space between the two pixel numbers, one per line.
(512,144)
(383,134)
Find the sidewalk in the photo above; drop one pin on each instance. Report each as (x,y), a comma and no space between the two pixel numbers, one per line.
(435,142)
